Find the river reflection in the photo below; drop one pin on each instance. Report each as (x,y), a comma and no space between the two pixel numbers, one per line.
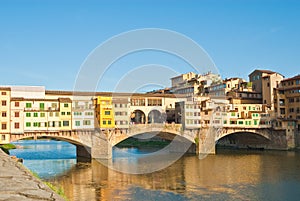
(229,175)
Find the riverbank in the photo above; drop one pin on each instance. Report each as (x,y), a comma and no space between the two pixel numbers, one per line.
(17,183)
(7,147)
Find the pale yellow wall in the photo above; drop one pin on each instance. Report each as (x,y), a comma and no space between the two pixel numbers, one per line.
(65,115)
(5,115)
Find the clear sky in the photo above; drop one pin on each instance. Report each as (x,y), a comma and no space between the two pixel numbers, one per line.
(46,42)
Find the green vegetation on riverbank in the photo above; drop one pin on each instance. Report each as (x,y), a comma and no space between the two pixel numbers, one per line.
(133,142)
(58,190)
(7,147)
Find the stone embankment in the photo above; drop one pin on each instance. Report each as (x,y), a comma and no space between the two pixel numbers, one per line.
(17,183)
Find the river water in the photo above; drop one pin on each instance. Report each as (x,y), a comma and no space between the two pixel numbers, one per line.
(229,175)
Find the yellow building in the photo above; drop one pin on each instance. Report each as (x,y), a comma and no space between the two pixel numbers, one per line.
(5,115)
(104,112)
(65,106)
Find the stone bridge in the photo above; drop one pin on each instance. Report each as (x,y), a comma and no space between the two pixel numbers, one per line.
(116,137)
(273,139)
(97,143)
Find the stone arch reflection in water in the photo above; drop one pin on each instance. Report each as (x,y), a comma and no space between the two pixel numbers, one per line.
(227,176)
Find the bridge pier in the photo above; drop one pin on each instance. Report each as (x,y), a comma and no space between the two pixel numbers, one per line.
(101,148)
(207,144)
(83,153)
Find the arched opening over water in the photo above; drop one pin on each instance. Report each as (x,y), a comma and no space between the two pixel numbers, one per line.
(45,156)
(243,140)
(153,141)
(80,151)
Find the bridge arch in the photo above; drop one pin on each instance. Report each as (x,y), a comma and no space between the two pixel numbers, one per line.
(162,130)
(178,143)
(82,140)
(244,139)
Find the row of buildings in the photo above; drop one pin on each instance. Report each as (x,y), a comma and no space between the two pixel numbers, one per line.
(32,109)
(267,100)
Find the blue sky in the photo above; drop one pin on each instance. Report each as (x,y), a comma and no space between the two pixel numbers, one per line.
(46,42)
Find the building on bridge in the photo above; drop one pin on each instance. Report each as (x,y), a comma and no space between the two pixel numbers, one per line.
(104,112)
(34,111)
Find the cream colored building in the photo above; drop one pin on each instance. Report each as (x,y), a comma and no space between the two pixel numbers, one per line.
(287,103)
(223,87)
(17,115)
(191,83)
(265,82)
(5,130)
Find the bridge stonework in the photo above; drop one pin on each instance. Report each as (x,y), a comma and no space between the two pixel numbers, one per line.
(276,139)
(97,143)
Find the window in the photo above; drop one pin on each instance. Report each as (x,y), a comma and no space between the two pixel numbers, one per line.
(138,102)
(17,125)
(3,114)
(28,114)
(28,105)
(36,124)
(43,114)
(42,106)
(28,124)
(86,122)
(88,113)
(104,122)
(109,122)
(17,104)
(35,114)
(77,123)
(65,123)
(4,103)
(255,122)
(107,112)
(63,113)
(3,93)
(268,84)
(3,137)
(68,113)
(154,102)
(291,100)
(66,105)
(17,114)
(3,126)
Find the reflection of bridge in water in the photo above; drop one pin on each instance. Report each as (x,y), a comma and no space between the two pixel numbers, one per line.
(98,143)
